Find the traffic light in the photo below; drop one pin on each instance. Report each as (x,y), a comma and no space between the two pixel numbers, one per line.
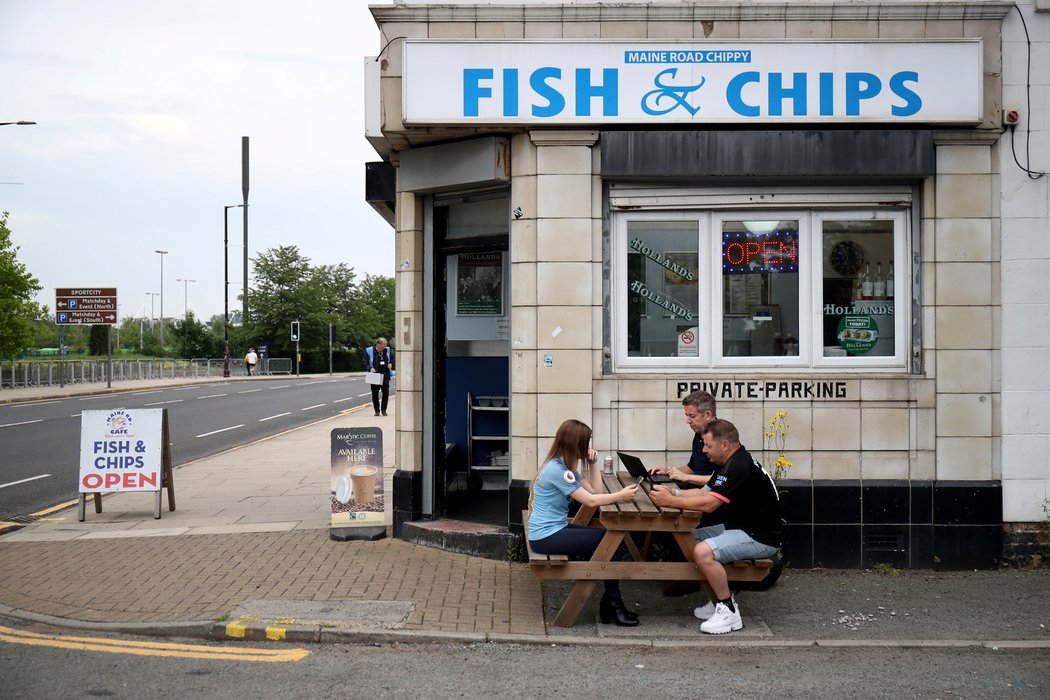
(295,331)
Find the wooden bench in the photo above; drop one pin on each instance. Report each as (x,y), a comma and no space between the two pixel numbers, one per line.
(559,567)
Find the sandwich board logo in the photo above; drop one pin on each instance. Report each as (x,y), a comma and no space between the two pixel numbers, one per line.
(118,423)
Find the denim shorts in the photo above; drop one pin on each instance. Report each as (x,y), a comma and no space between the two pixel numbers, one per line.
(732,545)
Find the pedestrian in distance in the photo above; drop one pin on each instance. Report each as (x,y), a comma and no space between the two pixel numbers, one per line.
(379,359)
(549,530)
(745,497)
(250,360)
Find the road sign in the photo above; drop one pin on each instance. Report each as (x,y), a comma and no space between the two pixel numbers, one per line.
(86,305)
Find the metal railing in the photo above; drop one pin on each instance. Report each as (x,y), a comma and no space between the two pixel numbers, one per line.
(25,373)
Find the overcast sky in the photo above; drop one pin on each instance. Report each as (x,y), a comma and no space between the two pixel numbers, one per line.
(140,109)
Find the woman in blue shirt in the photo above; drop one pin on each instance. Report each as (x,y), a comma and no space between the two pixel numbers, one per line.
(549,529)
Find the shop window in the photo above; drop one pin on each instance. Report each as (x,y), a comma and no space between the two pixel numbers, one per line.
(776,290)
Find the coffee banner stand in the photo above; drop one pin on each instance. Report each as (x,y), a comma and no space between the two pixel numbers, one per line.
(357,494)
(120,440)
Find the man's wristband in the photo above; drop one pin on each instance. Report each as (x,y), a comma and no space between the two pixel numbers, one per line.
(677,491)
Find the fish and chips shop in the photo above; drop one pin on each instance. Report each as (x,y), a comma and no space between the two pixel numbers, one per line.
(602,207)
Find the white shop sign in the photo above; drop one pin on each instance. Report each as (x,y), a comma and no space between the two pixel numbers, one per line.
(121,450)
(639,82)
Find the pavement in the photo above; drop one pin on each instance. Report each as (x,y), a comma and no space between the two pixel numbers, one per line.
(247,555)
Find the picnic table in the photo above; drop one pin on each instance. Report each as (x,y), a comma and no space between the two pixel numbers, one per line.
(621,521)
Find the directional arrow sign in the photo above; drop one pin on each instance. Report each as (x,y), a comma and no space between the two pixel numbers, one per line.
(86,305)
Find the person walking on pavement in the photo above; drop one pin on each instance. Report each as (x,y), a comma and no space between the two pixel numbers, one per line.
(250,360)
(380,359)
(744,494)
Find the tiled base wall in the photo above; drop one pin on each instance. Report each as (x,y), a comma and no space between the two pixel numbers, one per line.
(851,524)
(907,524)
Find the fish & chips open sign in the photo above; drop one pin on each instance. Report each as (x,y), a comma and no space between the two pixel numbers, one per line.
(124,450)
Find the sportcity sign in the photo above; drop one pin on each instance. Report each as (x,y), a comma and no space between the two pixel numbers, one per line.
(577,82)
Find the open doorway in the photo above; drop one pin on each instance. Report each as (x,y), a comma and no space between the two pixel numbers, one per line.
(471,361)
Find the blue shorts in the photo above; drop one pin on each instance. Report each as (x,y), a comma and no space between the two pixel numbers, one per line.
(732,545)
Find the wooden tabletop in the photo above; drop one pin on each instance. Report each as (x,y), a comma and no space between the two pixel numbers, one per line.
(639,514)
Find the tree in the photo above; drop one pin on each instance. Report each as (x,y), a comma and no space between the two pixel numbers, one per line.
(18,311)
(194,339)
(372,313)
(288,288)
(98,340)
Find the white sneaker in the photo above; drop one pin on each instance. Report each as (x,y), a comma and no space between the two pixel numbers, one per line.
(704,612)
(724,620)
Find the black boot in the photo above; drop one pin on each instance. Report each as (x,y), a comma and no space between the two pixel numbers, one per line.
(612,609)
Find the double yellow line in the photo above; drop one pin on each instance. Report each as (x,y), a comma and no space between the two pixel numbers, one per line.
(118,646)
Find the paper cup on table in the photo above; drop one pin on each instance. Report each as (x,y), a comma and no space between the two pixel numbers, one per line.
(364,483)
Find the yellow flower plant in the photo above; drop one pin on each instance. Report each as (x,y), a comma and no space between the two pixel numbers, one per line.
(776,440)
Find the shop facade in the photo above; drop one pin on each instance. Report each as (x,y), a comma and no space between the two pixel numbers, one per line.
(797,208)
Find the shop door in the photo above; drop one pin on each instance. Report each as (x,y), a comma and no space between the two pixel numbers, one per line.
(471,364)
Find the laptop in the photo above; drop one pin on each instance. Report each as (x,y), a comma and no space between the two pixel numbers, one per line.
(636,469)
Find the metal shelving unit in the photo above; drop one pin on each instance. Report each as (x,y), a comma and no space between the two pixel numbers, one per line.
(488,436)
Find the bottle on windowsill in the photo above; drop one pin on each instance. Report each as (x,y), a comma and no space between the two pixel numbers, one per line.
(889,282)
(866,286)
(879,284)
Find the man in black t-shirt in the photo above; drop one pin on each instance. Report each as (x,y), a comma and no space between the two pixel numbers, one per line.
(744,495)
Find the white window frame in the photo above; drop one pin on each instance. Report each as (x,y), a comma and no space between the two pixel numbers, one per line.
(810,335)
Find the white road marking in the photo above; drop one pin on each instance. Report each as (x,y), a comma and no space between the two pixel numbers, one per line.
(95,398)
(286,413)
(25,422)
(282,386)
(249,391)
(212,396)
(368,394)
(221,430)
(309,407)
(34,403)
(348,398)
(22,481)
(150,391)
(161,403)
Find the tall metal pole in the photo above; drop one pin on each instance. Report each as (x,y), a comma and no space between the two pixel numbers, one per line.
(162,254)
(244,192)
(185,295)
(226,287)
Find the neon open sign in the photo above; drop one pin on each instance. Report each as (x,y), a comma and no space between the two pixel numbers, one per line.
(745,252)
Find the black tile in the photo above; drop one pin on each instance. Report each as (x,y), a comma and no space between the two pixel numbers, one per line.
(885,502)
(885,544)
(836,502)
(967,547)
(796,501)
(921,546)
(837,546)
(921,502)
(798,546)
(967,503)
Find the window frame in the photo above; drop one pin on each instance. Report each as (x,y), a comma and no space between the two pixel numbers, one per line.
(810,356)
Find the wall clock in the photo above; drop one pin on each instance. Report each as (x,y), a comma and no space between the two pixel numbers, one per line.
(846,258)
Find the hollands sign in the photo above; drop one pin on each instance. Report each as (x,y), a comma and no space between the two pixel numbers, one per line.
(746,81)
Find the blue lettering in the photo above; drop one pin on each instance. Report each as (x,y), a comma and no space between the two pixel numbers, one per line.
(827,94)
(912,102)
(472,90)
(608,92)
(734,90)
(555,101)
(778,93)
(872,86)
(510,92)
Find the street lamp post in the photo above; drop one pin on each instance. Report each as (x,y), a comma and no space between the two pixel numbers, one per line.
(226,287)
(185,295)
(152,316)
(162,254)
